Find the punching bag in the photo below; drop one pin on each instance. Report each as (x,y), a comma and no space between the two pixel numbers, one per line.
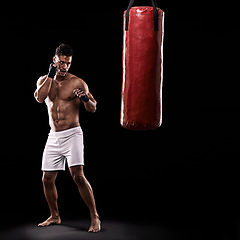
(142,62)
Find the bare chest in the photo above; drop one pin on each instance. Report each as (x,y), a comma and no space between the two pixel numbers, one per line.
(62,90)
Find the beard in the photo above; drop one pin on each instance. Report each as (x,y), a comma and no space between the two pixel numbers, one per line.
(62,73)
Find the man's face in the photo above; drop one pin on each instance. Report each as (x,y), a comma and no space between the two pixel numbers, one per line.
(63,64)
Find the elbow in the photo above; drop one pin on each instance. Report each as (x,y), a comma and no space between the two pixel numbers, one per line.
(92,110)
(38,99)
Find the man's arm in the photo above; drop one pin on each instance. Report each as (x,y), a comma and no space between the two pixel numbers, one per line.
(43,87)
(44,84)
(91,105)
(87,98)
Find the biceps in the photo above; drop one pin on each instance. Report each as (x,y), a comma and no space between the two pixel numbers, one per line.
(41,81)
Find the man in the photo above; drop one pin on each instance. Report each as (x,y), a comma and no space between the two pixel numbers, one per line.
(63,94)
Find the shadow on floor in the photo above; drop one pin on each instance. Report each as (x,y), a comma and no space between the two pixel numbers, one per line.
(111,229)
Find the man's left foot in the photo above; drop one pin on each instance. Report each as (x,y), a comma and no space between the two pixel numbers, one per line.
(95,225)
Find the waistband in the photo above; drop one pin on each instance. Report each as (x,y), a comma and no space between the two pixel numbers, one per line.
(66,133)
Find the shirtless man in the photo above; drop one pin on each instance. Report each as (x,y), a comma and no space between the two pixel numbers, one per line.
(63,94)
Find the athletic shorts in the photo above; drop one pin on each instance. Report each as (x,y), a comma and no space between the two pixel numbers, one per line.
(62,146)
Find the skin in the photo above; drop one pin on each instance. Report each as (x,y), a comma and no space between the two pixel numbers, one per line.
(62,96)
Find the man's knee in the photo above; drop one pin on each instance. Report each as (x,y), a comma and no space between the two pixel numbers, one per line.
(77,174)
(78,178)
(48,178)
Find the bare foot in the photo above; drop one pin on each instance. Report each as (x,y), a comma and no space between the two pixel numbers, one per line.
(49,221)
(95,225)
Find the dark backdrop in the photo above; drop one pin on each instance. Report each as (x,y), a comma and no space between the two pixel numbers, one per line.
(185,170)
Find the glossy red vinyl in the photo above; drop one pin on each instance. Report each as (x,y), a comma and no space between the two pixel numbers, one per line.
(141,98)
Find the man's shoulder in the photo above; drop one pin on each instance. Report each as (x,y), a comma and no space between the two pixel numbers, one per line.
(74,77)
(77,80)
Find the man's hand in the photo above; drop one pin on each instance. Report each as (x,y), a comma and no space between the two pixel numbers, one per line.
(52,70)
(81,94)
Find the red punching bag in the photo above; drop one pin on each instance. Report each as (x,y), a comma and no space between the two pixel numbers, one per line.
(141,98)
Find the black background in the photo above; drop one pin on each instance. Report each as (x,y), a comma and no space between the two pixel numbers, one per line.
(185,171)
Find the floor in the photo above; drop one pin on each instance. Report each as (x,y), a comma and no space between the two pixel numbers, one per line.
(114,230)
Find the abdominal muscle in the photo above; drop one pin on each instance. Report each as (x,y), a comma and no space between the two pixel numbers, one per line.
(63,114)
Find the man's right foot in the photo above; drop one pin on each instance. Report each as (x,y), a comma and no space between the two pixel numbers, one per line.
(49,221)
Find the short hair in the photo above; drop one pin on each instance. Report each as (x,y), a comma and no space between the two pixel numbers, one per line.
(64,50)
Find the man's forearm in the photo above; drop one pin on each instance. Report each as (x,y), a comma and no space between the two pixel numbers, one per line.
(91,106)
(89,102)
(44,84)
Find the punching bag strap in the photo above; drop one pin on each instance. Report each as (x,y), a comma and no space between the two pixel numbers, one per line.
(155,12)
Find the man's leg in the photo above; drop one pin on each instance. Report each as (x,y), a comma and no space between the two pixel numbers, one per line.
(51,195)
(86,192)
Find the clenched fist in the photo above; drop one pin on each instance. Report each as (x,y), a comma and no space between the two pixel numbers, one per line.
(81,94)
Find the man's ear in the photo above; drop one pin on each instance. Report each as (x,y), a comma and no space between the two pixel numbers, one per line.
(55,59)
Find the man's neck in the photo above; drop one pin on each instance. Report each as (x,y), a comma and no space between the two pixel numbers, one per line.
(61,78)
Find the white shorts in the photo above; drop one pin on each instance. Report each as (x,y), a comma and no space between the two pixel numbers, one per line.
(62,146)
